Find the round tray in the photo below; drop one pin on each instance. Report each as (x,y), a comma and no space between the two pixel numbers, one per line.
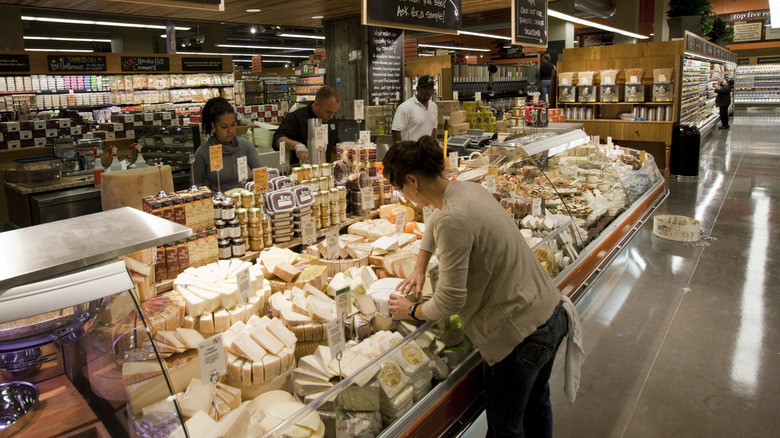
(18,401)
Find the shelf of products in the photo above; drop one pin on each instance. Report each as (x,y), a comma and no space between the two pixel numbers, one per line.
(307,86)
(757,84)
(697,106)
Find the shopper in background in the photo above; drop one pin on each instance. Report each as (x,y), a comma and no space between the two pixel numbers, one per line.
(294,130)
(418,116)
(489,276)
(545,76)
(723,101)
(219,123)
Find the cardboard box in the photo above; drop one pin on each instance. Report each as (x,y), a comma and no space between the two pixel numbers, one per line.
(39,125)
(456,117)
(25,135)
(38,142)
(459,129)
(448,106)
(51,133)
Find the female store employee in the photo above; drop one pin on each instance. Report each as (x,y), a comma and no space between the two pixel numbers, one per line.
(488,275)
(219,122)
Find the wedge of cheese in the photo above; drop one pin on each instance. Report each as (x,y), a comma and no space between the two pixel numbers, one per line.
(243,345)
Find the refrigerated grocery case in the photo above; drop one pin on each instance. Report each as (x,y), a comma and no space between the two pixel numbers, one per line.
(69,321)
(757,85)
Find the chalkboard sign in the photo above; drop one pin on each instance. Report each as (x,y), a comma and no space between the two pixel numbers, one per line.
(201,64)
(9,63)
(68,63)
(386,63)
(146,63)
(442,16)
(529,23)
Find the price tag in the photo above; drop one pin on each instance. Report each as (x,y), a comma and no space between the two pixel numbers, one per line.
(478,96)
(365,137)
(243,170)
(211,355)
(564,81)
(244,286)
(343,304)
(427,214)
(360,112)
(609,81)
(260,177)
(661,78)
(493,170)
(634,80)
(282,153)
(215,157)
(454,95)
(400,221)
(376,101)
(453,160)
(490,183)
(332,240)
(308,231)
(367,198)
(334,331)
(397,96)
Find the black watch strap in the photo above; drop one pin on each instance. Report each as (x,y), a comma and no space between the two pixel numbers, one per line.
(412,310)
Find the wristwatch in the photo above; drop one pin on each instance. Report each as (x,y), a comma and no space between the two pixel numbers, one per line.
(412,309)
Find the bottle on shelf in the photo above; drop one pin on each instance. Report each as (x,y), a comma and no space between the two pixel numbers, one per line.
(139,162)
(97,168)
(114,160)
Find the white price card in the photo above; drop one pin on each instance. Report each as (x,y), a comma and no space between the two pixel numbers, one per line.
(427,214)
(397,96)
(243,170)
(661,78)
(308,231)
(454,95)
(244,286)
(490,183)
(564,81)
(360,113)
(343,304)
(400,221)
(332,240)
(453,160)
(334,332)
(282,153)
(211,355)
(321,137)
(536,207)
(376,101)
(634,80)
(367,198)
(477,96)
(365,137)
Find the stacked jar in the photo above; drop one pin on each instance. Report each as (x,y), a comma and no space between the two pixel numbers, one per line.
(323,199)
(255,229)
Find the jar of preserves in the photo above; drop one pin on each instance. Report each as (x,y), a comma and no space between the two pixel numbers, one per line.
(222,228)
(228,210)
(225,250)
(216,206)
(256,244)
(234,228)
(237,247)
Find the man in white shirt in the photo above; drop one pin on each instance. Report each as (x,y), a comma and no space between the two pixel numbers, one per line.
(417,116)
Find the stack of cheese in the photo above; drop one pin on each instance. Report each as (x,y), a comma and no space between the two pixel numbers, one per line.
(312,377)
(358,280)
(203,397)
(141,267)
(304,311)
(210,294)
(457,347)
(162,312)
(308,273)
(372,229)
(145,383)
(177,341)
(353,252)
(259,354)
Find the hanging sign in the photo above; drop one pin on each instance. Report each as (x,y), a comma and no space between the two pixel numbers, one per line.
(529,23)
(440,16)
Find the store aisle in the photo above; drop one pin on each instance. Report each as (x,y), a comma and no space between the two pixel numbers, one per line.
(684,341)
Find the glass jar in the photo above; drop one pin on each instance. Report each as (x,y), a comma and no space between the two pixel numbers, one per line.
(228,210)
(243,216)
(216,206)
(237,247)
(225,250)
(234,228)
(256,244)
(255,216)
(222,229)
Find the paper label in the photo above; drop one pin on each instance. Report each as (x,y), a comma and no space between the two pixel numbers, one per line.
(634,80)
(282,153)
(490,183)
(335,335)
(397,96)
(215,157)
(244,286)
(536,207)
(564,81)
(400,221)
(343,304)
(308,231)
(454,95)
(376,101)
(477,96)
(367,198)
(359,110)
(493,170)
(211,355)
(609,81)
(453,160)
(427,213)
(365,137)
(260,177)
(243,170)
(661,78)
(321,137)
(332,240)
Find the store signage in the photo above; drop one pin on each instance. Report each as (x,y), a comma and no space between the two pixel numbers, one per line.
(67,63)
(442,16)
(769,60)
(743,61)
(748,31)
(201,64)
(742,16)
(386,62)
(146,63)
(771,34)
(12,63)
(529,23)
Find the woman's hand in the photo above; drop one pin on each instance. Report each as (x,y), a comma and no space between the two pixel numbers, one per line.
(399,306)
(412,285)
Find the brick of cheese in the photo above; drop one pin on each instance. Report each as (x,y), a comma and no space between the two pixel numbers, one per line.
(268,341)
(198,397)
(193,304)
(282,333)
(286,271)
(136,371)
(200,425)
(212,299)
(272,367)
(244,346)
(189,337)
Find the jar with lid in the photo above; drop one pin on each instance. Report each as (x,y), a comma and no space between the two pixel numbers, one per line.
(325,220)
(335,219)
(255,216)
(255,231)
(228,210)
(318,221)
(315,210)
(237,247)
(222,228)
(248,199)
(267,227)
(256,244)
(234,228)
(325,169)
(268,240)
(243,216)
(325,209)
(225,250)
(244,231)
(216,207)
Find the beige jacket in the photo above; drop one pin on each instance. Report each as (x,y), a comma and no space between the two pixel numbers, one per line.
(487,273)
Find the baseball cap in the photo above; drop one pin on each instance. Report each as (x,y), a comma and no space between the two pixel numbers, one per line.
(425,81)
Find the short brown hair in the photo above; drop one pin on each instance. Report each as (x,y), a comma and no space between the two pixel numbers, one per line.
(546,57)
(423,157)
(326,93)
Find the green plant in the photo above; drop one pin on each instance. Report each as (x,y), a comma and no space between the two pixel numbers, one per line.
(720,31)
(682,8)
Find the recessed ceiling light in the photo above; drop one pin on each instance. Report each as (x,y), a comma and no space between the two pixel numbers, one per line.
(82,40)
(252,30)
(253,10)
(317,17)
(97,23)
(466,49)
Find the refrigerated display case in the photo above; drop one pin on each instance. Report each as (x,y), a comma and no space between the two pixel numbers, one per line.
(757,84)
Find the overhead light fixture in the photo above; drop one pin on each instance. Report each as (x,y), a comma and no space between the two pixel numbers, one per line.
(468,49)
(253,30)
(317,17)
(249,61)
(240,46)
(484,35)
(244,54)
(573,19)
(774,14)
(98,23)
(59,50)
(301,35)
(253,10)
(278,61)
(652,34)
(267,55)
(82,40)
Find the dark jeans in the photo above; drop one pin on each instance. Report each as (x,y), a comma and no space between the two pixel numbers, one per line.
(517,388)
(724,116)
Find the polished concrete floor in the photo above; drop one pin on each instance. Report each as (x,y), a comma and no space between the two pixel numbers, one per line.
(684,340)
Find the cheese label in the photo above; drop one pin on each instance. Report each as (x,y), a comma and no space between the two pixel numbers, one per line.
(453,160)
(215,157)
(243,169)
(332,240)
(564,81)
(661,78)
(244,286)
(493,170)
(359,109)
(211,354)
(308,231)
(365,137)
(320,138)
(490,183)
(343,304)
(334,332)
(634,80)
(400,221)
(260,176)
(376,101)
(367,198)
(411,354)
(390,375)
(282,153)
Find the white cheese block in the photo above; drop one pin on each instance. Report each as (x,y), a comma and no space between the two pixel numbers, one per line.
(264,401)
(356,286)
(258,371)
(302,388)
(200,425)
(233,425)
(169,337)
(284,411)
(236,314)
(198,397)
(193,304)
(309,374)
(365,304)
(291,317)
(253,320)
(300,305)
(339,283)
(279,303)
(404,397)
(212,299)
(221,320)
(368,275)
(189,337)
(136,371)
(321,311)
(310,290)
(411,359)
(272,367)
(244,346)
(405,239)
(386,243)
(206,323)
(311,365)
(246,371)
(392,379)
(282,333)
(268,341)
